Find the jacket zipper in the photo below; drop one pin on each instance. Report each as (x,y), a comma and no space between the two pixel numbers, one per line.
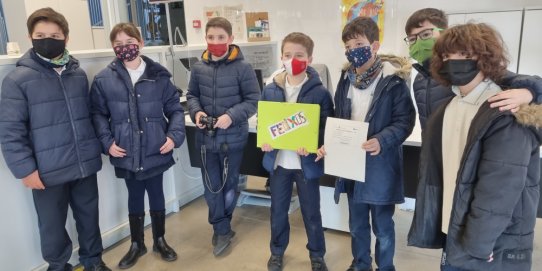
(427,101)
(74,130)
(135,96)
(215,69)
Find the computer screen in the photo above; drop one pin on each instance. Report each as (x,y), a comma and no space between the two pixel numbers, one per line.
(259,77)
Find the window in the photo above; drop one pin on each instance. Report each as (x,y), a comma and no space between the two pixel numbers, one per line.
(152,18)
(95,9)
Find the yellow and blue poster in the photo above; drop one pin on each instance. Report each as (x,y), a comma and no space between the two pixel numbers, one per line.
(352,9)
(288,126)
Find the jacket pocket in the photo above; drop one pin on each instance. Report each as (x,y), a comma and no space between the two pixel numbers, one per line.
(155,135)
(122,133)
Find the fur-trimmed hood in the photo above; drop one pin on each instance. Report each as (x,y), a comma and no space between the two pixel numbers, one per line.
(530,115)
(392,64)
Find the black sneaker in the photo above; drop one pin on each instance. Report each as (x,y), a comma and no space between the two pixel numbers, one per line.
(223,242)
(274,263)
(318,264)
(98,267)
(353,268)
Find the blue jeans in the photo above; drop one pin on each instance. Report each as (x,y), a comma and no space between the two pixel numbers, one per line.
(221,202)
(360,230)
(281,185)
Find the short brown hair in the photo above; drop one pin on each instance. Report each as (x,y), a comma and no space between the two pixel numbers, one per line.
(361,26)
(478,40)
(128,28)
(47,15)
(298,38)
(435,16)
(220,23)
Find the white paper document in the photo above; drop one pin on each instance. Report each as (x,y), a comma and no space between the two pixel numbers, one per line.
(342,140)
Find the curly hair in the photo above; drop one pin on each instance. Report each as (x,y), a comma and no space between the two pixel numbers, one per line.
(475,40)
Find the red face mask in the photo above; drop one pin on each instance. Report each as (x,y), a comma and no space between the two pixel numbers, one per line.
(217,50)
(294,66)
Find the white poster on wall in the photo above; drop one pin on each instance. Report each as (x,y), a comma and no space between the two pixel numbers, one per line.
(234,14)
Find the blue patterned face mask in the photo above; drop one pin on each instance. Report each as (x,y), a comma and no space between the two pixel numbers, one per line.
(358,56)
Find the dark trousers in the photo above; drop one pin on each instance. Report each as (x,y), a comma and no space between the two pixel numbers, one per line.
(281,185)
(221,202)
(136,194)
(52,208)
(360,229)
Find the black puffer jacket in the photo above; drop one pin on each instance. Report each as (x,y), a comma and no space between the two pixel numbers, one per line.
(430,94)
(45,122)
(497,192)
(228,86)
(137,117)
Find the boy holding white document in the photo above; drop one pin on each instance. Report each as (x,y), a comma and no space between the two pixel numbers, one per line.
(372,89)
(299,83)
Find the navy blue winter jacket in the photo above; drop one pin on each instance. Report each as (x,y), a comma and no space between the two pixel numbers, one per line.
(45,122)
(228,86)
(137,118)
(312,92)
(391,118)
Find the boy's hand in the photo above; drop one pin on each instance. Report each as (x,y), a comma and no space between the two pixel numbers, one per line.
(320,153)
(223,122)
(267,148)
(511,99)
(33,181)
(116,151)
(198,116)
(490,258)
(371,146)
(168,146)
(302,151)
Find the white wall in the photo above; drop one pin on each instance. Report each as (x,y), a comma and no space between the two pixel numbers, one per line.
(75,11)
(15,14)
(321,19)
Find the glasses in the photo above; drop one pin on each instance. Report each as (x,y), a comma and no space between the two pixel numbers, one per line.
(423,35)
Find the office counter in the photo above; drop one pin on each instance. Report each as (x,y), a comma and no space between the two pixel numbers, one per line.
(182,183)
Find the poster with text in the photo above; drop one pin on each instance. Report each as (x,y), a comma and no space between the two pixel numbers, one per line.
(234,14)
(352,9)
(288,126)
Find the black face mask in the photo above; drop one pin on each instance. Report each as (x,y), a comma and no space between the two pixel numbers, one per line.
(49,47)
(459,72)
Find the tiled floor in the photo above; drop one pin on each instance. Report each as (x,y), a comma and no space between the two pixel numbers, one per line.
(190,235)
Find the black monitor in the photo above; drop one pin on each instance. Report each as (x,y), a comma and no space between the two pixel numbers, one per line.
(188,62)
(259,77)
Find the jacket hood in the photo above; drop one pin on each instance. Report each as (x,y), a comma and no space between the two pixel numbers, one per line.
(153,69)
(530,115)
(392,65)
(28,60)
(312,74)
(234,53)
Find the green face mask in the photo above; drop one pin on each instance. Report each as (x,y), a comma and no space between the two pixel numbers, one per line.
(422,49)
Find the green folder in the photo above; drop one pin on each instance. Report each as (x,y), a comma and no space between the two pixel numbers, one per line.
(288,126)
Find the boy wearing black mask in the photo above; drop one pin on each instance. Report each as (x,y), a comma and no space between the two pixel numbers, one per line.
(49,143)
(372,89)
(479,189)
